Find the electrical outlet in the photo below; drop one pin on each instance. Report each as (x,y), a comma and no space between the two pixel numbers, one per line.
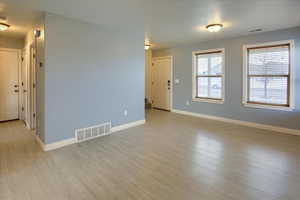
(125,113)
(187,103)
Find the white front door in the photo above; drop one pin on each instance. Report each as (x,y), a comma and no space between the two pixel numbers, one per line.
(161,83)
(9,86)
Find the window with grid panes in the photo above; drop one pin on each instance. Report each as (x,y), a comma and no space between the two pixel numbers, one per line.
(209,75)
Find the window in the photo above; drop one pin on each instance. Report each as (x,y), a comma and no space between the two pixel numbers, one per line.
(267,75)
(208,76)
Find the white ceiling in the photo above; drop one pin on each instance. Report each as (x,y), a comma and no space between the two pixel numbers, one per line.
(165,22)
(21,20)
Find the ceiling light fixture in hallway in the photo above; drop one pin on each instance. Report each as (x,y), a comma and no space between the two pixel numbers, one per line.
(4,26)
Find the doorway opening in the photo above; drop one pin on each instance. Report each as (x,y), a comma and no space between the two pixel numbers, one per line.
(18,85)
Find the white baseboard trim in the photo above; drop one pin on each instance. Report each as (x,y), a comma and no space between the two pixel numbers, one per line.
(27,125)
(128,125)
(59,144)
(240,122)
(55,145)
(62,143)
(39,141)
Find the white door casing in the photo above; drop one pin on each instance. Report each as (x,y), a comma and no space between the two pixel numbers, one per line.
(9,84)
(33,86)
(22,86)
(162,83)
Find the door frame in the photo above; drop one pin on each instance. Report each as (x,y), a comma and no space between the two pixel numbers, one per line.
(171,78)
(18,51)
(23,78)
(32,84)
(30,67)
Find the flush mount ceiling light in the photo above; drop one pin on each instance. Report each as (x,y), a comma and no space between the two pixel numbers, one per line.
(214,27)
(147,46)
(4,26)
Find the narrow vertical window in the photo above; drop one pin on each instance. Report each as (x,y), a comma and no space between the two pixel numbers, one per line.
(209,76)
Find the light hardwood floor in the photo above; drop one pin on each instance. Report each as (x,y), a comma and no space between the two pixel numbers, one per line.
(171,157)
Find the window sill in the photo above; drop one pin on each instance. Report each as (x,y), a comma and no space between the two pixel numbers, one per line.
(221,101)
(270,107)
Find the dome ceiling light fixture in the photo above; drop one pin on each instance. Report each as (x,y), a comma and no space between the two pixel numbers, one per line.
(147,47)
(3,26)
(214,27)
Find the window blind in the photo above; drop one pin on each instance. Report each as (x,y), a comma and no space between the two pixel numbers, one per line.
(268,74)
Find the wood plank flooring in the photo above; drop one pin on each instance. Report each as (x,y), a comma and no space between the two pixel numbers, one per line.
(171,157)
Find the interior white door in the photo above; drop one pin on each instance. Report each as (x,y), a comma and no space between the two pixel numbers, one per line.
(161,83)
(9,86)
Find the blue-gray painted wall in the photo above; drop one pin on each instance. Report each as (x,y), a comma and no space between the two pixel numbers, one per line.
(232,108)
(91,76)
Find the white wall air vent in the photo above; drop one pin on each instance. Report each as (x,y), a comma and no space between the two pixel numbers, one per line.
(92,132)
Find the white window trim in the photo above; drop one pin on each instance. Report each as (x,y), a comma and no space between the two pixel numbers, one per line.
(197,99)
(291,83)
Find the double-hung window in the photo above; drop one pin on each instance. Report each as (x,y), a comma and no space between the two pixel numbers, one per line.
(268,75)
(208,76)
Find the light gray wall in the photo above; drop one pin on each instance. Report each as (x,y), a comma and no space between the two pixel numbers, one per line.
(91,76)
(11,42)
(233,108)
